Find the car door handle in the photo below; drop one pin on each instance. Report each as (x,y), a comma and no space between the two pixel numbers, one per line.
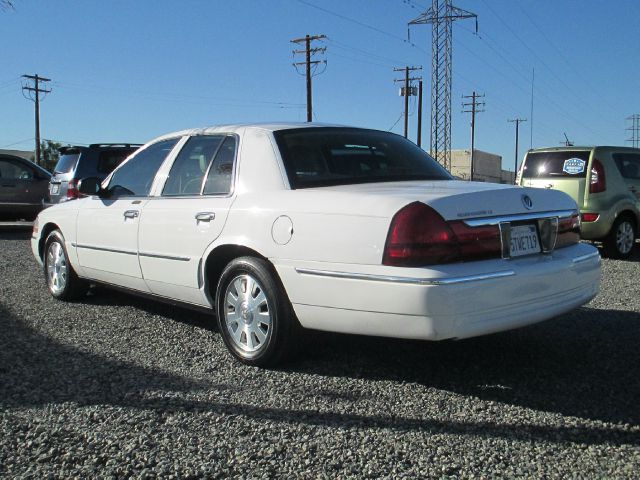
(205,216)
(131,213)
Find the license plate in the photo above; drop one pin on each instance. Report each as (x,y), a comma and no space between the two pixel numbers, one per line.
(55,188)
(524,240)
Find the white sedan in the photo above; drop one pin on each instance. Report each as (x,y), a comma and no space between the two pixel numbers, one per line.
(281,226)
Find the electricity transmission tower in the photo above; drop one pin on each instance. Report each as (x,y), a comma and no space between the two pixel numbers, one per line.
(476,107)
(635,130)
(309,52)
(407,91)
(441,16)
(33,93)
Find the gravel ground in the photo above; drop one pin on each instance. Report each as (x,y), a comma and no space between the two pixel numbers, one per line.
(116,386)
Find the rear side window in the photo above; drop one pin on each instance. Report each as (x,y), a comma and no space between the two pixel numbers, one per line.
(110,159)
(556,164)
(628,164)
(315,157)
(66,162)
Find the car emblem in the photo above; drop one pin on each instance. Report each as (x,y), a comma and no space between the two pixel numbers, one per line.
(527,202)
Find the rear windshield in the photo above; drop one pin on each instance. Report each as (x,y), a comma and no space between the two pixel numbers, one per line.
(66,163)
(110,159)
(315,157)
(556,164)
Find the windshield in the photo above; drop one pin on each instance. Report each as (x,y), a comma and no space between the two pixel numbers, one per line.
(66,163)
(556,164)
(315,157)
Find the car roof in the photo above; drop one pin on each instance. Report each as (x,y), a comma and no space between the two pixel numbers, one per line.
(239,127)
(582,148)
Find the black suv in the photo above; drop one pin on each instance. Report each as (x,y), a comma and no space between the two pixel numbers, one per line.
(75,163)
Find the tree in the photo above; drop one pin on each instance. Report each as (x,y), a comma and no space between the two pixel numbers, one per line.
(49,154)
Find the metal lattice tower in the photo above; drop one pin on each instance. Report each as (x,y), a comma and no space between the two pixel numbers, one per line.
(634,128)
(441,16)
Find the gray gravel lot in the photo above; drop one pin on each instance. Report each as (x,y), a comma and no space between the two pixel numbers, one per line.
(116,386)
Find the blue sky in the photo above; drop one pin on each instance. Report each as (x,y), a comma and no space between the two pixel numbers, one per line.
(133,70)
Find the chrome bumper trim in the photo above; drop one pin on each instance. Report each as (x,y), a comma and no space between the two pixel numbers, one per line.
(406,280)
(584,258)
(478,222)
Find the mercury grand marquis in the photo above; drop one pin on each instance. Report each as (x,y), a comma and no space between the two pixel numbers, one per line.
(279,227)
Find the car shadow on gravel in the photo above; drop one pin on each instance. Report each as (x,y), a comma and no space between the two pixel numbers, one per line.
(12,232)
(36,370)
(583,364)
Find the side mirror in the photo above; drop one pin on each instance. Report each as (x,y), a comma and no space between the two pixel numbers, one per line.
(90,186)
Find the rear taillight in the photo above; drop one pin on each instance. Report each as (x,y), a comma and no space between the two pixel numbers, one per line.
(590,217)
(419,236)
(568,231)
(72,190)
(598,182)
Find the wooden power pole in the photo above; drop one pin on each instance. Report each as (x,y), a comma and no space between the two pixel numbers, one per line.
(309,52)
(33,94)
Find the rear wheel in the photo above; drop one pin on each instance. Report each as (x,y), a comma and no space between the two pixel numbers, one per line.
(62,281)
(621,239)
(254,314)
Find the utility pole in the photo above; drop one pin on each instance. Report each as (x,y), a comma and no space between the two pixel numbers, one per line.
(441,16)
(474,104)
(34,92)
(407,91)
(517,121)
(419,136)
(635,130)
(309,52)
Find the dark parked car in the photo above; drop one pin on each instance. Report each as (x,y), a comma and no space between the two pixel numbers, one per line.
(23,188)
(96,160)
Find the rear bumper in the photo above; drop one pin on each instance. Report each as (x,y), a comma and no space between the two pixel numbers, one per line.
(452,301)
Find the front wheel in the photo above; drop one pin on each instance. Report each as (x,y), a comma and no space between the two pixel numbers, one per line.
(254,314)
(62,281)
(621,239)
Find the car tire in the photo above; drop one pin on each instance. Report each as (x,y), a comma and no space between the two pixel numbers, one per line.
(62,281)
(621,239)
(255,318)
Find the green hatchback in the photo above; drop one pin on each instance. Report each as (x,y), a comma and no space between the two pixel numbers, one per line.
(604,182)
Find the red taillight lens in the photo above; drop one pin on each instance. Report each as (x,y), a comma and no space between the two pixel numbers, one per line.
(590,217)
(419,236)
(568,231)
(598,182)
(72,190)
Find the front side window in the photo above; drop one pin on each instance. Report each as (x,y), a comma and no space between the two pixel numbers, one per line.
(315,157)
(189,169)
(628,164)
(135,177)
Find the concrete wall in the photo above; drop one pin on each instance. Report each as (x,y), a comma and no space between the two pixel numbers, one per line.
(488,167)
